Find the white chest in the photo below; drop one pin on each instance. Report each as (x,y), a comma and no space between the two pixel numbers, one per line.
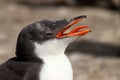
(56,68)
(56,64)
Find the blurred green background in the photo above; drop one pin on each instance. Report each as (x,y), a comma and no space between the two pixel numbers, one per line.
(95,56)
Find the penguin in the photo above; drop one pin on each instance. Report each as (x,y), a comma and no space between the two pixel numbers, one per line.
(40,51)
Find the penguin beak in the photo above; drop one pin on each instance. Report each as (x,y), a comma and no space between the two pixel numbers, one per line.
(77,31)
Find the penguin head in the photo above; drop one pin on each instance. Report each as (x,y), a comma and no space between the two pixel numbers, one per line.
(43,30)
(47,34)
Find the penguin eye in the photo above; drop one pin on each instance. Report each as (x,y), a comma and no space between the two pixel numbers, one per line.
(48,34)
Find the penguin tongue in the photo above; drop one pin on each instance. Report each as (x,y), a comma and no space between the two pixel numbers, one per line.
(77,31)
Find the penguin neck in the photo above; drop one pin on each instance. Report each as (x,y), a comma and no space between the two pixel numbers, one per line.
(52,47)
(25,50)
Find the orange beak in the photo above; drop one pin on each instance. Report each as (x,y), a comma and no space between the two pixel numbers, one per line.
(77,31)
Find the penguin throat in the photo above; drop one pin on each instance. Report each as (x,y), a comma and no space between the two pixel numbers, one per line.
(51,47)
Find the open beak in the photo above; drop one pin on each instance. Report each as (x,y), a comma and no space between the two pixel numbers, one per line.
(77,31)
